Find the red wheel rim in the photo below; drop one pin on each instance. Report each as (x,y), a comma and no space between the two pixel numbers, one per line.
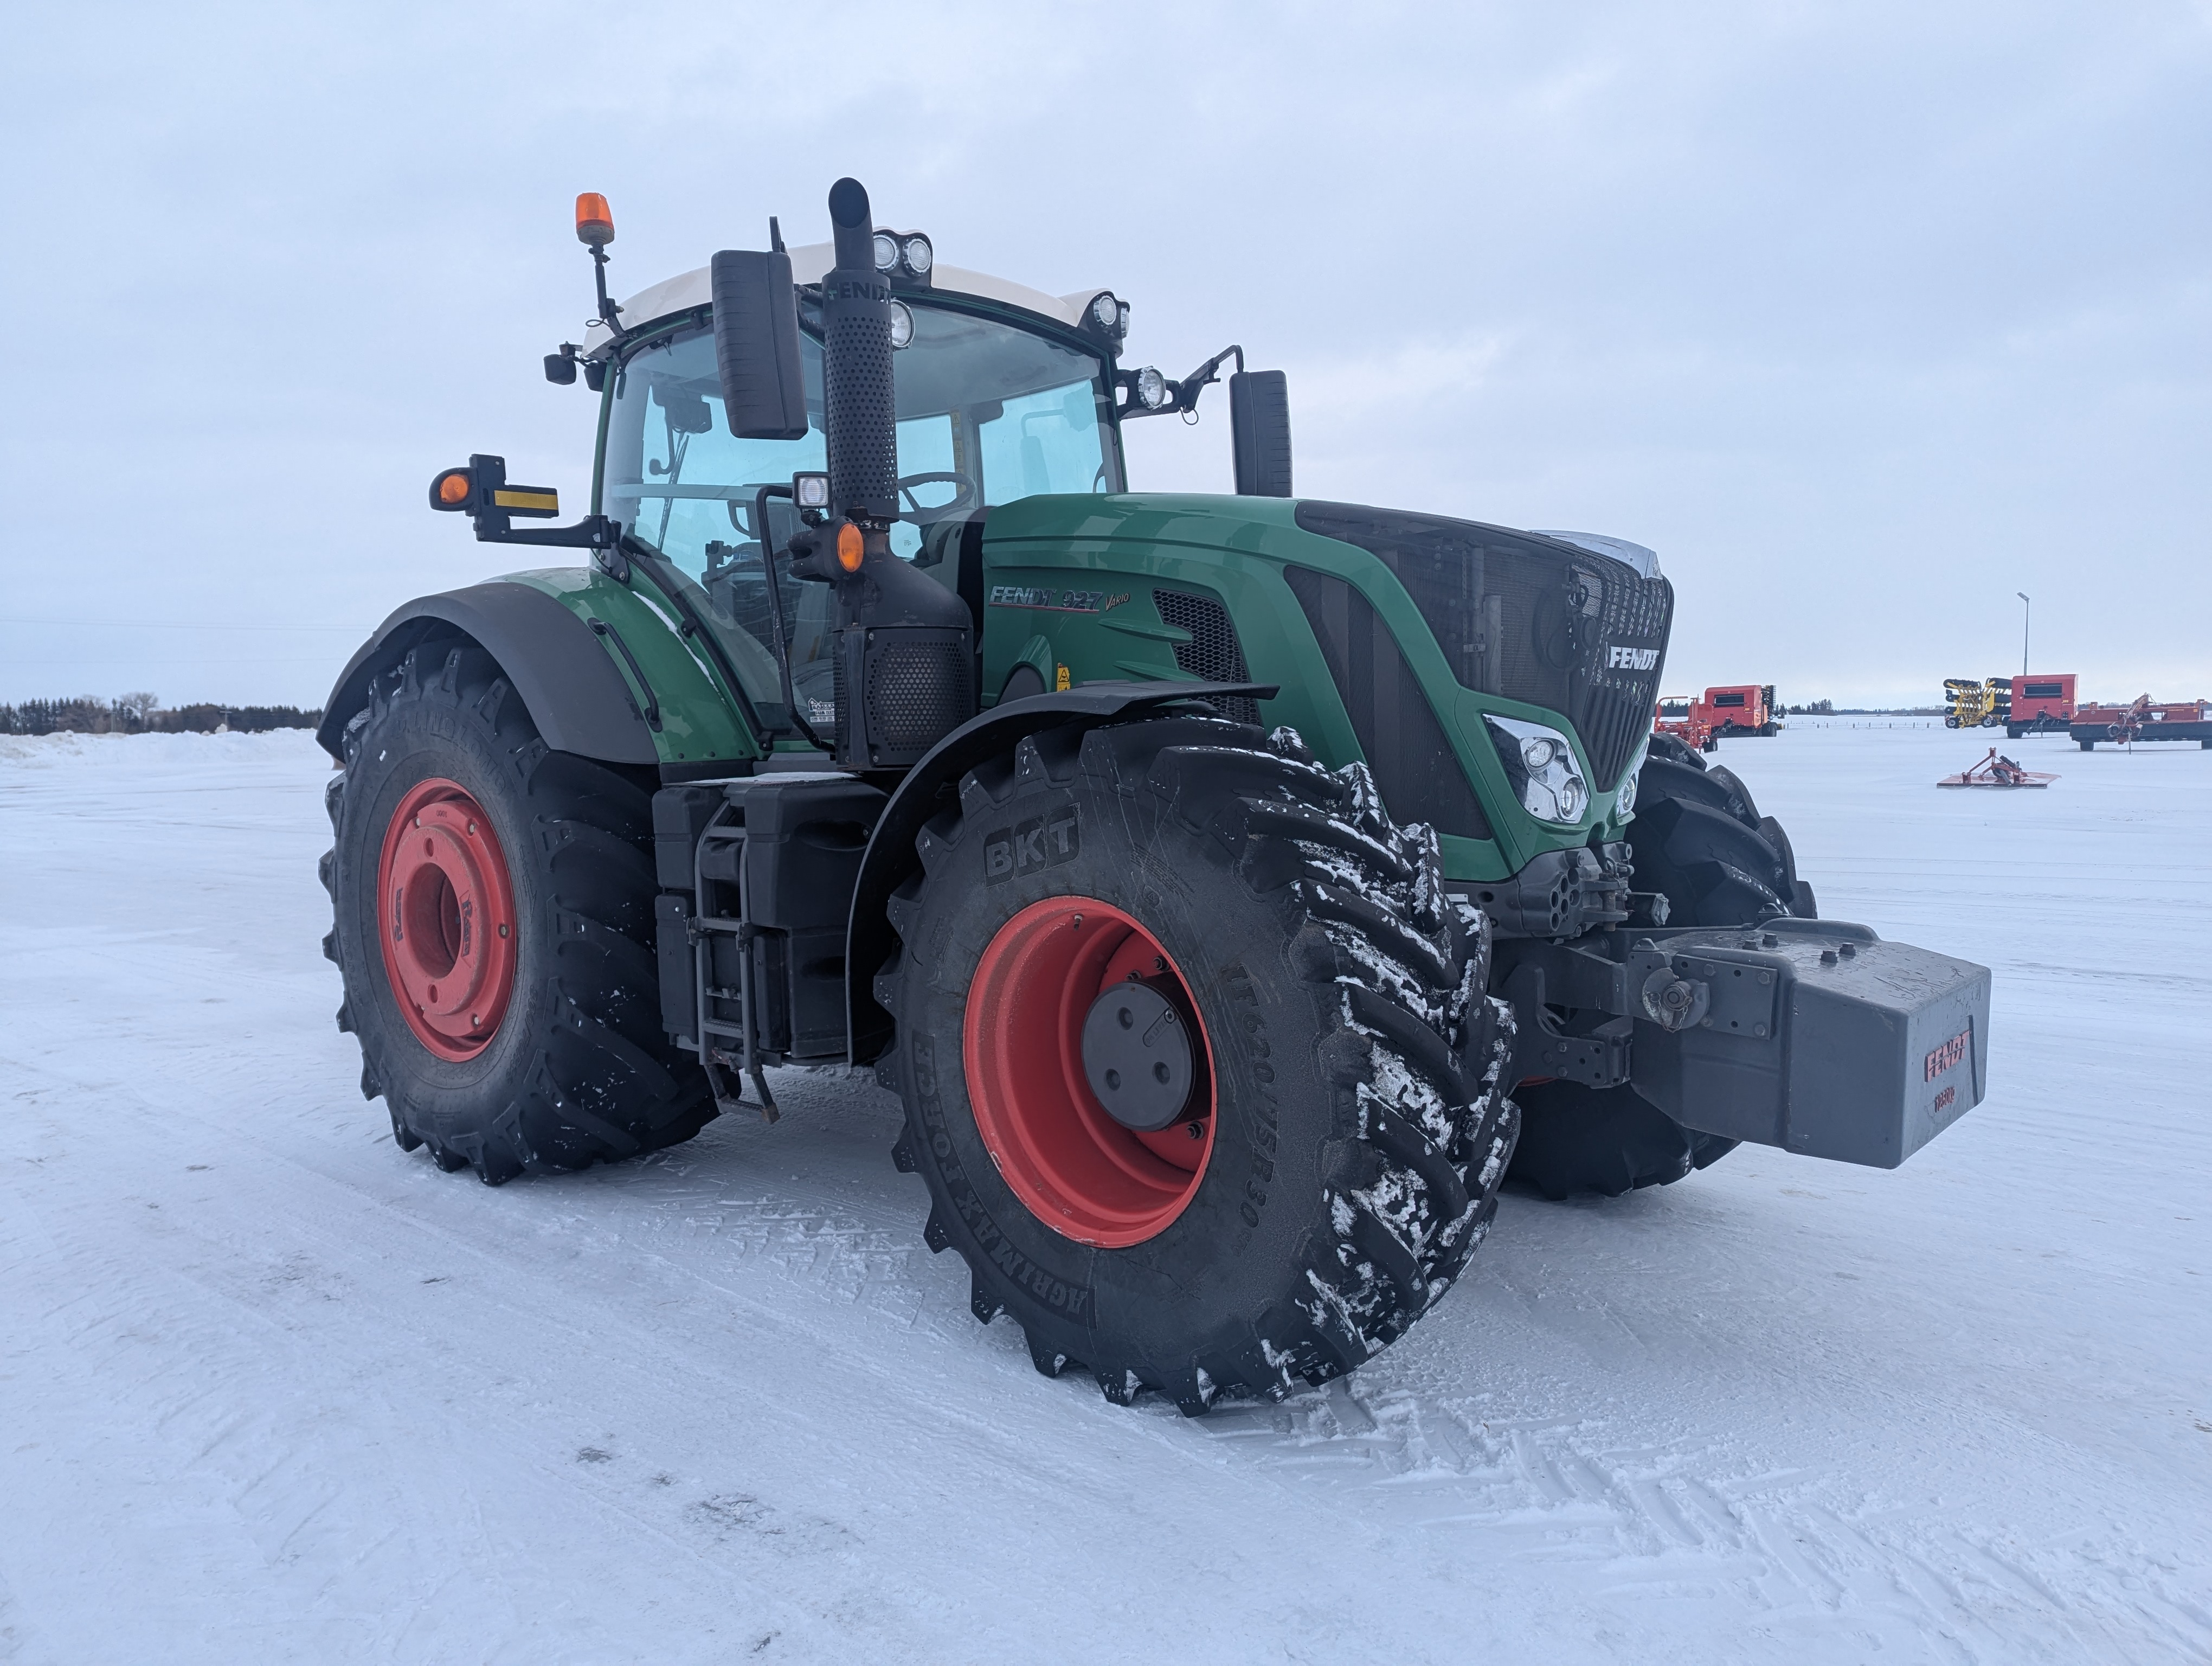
(446,919)
(1074,1167)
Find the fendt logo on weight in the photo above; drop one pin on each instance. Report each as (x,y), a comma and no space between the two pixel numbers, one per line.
(1942,1058)
(1047,842)
(1631,659)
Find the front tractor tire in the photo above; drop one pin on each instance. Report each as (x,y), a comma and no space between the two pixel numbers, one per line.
(493,909)
(1698,840)
(1302,1164)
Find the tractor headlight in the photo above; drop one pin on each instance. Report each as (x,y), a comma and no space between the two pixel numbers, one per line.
(1542,767)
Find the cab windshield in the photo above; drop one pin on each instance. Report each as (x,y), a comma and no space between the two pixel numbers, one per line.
(988,413)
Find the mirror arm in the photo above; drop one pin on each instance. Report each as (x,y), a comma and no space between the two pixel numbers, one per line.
(592,532)
(1187,390)
(769,553)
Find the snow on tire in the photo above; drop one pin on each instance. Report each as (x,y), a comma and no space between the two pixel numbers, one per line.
(1340,1158)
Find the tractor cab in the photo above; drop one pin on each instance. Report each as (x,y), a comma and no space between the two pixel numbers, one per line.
(1002,392)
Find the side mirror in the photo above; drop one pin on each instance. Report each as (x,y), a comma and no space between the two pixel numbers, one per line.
(1260,432)
(757,345)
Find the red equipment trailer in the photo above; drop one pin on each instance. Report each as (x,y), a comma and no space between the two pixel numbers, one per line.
(2187,720)
(1741,708)
(1685,719)
(2041,704)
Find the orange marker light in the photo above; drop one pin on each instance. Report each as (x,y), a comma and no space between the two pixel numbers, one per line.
(848,547)
(451,489)
(595,220)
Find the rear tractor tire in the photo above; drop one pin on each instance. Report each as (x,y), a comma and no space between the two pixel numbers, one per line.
(1329,1127)
(493,913)
(1699,839)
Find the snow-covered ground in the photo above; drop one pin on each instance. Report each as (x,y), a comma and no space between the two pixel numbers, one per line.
(270,1389)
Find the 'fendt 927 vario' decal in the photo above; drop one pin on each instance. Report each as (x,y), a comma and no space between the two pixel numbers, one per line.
(1054,600)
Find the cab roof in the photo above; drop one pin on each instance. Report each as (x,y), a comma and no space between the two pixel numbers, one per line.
(811,262)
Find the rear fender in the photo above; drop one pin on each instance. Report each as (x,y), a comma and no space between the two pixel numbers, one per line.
(598,664)
(933,785)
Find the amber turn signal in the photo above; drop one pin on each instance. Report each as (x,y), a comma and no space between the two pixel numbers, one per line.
(453,489)
(595,220)
(848,547)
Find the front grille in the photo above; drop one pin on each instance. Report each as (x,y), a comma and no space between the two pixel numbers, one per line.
(1398,731)
(1211,655)
(1527,617)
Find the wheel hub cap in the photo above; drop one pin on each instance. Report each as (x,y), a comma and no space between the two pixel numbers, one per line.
(446,919)
(1111,1167)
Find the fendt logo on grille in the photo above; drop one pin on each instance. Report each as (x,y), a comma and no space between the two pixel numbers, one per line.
(1944,1057)
(1631,659)
(1045,843)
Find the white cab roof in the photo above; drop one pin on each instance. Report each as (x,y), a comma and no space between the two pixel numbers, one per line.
(811,262)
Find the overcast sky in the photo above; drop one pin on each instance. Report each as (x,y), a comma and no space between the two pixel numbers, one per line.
(1866,317)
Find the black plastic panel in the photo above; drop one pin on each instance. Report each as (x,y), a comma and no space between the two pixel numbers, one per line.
(1527,617)
(1398,731)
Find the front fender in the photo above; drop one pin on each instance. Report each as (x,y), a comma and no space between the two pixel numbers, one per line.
(933,785)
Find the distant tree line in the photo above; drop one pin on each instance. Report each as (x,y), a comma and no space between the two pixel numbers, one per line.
(1818,709)
(142,714)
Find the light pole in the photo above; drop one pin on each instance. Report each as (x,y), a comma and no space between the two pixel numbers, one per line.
(2027,607)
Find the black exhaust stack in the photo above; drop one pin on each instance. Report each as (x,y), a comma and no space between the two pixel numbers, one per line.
(856,366)
(905,653)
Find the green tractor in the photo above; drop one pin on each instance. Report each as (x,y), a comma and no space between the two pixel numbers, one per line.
(1234,890)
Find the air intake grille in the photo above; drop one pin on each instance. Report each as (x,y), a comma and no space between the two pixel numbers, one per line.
(1211,655)
(1527,617)
(1399,733)
(917,690)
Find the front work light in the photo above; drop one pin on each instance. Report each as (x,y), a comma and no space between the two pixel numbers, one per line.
(886,252)
(811,491)
(901,325)
(918,255)
(1105,311)
(1542,765)
(1150,387)
(595,220)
